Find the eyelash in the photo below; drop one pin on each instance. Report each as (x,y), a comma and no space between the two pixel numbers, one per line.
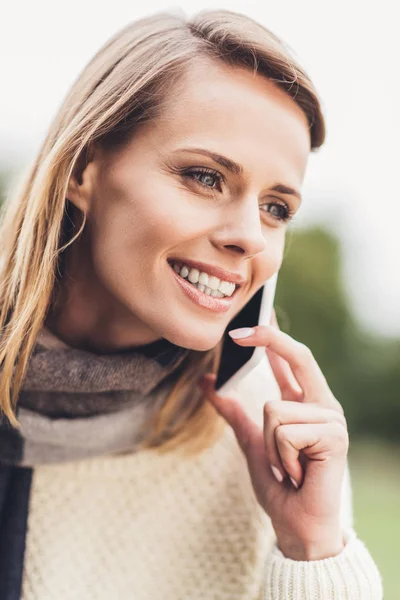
(288,215)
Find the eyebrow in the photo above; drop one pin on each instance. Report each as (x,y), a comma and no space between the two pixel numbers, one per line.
(237,169)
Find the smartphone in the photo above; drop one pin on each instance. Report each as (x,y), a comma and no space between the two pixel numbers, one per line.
(237,361)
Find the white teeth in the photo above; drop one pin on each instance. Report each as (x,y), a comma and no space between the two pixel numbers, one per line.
(203,279)
(194,275)
(226,288)
(206,283)
(213,282)
(209,291)
(184,272)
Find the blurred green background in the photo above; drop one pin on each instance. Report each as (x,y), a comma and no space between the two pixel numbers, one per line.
(363,371)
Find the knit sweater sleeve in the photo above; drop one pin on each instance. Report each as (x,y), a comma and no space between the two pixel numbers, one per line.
(350,575)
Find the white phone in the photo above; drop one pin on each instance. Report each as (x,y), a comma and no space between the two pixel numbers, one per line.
(237,361)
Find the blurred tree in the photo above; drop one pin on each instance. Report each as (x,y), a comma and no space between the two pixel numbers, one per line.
(313,307)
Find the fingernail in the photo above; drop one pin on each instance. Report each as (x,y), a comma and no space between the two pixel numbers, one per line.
(294,483)
(277,473)
(241,333)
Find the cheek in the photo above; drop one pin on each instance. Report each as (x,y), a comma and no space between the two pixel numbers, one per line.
(130,231)
(267,263)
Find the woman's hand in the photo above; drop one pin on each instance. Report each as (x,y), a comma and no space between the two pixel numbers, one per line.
(304,437)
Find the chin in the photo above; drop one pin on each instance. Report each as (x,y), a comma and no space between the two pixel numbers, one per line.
(200,343)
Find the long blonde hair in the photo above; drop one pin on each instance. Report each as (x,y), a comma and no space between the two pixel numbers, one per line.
(125,84)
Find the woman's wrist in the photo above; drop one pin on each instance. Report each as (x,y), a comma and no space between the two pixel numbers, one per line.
(296,549)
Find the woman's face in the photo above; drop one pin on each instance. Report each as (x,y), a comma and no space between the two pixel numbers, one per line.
(147,204)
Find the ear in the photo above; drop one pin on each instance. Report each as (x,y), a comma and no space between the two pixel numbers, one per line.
(80,183)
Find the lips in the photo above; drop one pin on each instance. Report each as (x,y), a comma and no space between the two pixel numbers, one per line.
(209,295)
(217,271)
(218,305)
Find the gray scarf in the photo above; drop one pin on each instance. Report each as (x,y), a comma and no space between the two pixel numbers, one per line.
(76,404)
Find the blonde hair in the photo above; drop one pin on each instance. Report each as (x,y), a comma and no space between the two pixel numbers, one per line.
(126,83)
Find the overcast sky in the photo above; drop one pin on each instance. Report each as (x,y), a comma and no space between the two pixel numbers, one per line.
(350,49)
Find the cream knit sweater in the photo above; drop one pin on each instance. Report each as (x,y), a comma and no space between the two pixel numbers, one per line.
(148,527)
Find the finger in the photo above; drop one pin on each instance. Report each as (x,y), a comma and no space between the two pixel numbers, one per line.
(288,385)
(303,364)
(246,431)
(319,442)
(277,413)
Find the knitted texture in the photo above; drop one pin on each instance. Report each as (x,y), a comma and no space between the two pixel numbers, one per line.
(141,527)
(145,526)
(352,575)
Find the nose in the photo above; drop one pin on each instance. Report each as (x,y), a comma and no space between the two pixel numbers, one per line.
(242,228)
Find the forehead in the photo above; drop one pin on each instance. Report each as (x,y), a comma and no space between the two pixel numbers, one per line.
(231,108)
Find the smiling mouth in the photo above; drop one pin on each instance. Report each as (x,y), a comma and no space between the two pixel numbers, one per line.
(204,289)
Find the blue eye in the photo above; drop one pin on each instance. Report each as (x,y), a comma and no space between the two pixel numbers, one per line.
(285,214)
(210,173)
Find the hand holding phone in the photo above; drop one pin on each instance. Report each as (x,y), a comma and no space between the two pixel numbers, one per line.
(237,361)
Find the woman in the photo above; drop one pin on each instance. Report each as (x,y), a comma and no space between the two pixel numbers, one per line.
(175,162)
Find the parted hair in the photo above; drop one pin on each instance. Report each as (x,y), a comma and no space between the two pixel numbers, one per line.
(126,83)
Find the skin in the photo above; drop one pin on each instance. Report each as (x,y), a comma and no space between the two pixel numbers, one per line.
(304,437)
(119,290)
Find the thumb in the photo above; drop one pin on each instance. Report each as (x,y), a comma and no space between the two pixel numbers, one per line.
(245,430)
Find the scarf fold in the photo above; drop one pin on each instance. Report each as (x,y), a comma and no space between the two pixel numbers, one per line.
(75,404)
